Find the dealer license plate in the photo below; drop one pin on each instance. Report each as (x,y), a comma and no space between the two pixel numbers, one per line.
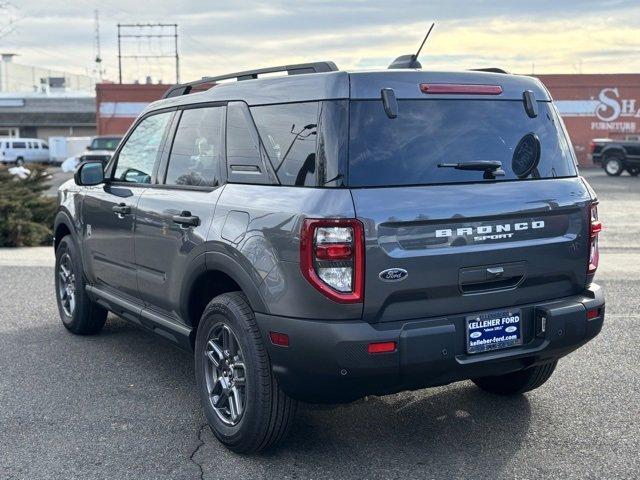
(494,330)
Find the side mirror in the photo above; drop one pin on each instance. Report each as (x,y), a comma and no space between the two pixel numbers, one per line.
(89,173)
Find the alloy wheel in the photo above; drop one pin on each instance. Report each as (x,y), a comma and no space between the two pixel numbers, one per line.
(225,374)
(67,285)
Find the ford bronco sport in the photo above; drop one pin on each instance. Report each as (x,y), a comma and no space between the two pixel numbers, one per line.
(326,235)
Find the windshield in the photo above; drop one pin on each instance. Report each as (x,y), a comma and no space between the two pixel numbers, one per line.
(110,143)
(408,150)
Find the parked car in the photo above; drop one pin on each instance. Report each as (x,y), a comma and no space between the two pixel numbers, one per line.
(100,148)
(327,235)
(616,156)
(19,151)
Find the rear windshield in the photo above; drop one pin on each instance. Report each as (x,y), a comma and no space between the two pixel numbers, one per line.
(408,149)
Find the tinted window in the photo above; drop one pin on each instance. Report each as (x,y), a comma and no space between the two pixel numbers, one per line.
(289,134)
(45,146)
(19,145)
(105,143)
(408,149)
(140,153)
(36,145)
(196,150)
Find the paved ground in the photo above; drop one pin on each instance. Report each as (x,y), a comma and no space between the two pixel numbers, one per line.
(122,404)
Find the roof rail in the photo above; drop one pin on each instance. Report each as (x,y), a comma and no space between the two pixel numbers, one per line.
(489,69)
(296,69)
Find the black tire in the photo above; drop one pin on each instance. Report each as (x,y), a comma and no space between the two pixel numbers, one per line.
(86,317)
(516,383)
(19,161)
(634,171)
(613,165)
(267,413)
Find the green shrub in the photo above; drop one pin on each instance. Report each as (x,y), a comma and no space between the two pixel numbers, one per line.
(26,215)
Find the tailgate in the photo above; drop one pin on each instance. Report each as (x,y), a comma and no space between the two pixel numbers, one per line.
(471,247)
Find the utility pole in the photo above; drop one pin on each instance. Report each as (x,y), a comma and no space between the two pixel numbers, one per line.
(139,32)
(98,60)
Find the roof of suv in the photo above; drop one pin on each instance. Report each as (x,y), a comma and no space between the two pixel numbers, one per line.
(355,85)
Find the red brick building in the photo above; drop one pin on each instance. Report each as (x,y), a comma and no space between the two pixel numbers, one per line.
(592,106)
(118,105)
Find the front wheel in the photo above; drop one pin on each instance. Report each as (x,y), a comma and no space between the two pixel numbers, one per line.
(19,162)
(613,166)
(518,382)
(79,314)
(245,407)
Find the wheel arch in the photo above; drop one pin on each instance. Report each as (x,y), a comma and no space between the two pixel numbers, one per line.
(614,150)
(62,226)
(212,274)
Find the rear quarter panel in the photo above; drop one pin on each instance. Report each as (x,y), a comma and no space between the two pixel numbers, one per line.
(259,226)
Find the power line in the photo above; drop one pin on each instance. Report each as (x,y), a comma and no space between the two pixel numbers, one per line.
(139,32)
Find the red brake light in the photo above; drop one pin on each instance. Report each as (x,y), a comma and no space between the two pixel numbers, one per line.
(592,147)
(595,227)
(460,89)
(338,251)
(332,258)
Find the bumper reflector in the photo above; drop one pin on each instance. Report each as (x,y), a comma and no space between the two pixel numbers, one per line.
(382,347)
(280,339)
(593,313)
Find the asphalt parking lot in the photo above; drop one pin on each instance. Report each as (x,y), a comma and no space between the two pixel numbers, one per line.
(123,404)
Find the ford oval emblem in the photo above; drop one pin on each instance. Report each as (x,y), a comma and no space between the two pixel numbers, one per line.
(393,274)
(510,329)
(475,334)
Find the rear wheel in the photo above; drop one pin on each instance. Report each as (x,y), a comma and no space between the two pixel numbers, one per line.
(517,382)
(19,161)
(634,171)
(78,313)
(613,165)
(245,407)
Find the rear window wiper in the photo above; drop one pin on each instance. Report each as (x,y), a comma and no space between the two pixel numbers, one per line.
(491,168)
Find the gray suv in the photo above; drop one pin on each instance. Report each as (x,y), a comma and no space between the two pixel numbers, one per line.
(324,235)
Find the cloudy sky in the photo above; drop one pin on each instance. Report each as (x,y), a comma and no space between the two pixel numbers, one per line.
(545,36)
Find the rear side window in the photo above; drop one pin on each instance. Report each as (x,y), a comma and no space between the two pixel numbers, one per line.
(289,134)
(245,160)
(197,147)
(138,156)
(408,150)
(19,145)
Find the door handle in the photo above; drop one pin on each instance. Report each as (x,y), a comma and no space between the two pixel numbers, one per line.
(121,209)
(185,219)
(494,272)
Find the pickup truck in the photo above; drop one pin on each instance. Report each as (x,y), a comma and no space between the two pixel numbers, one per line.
(616,156)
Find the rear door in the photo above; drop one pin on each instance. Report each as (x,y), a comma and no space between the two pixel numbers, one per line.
(109,210)
(174,215)
(455,241)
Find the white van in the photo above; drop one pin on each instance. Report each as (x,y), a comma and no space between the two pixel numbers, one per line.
(23,150)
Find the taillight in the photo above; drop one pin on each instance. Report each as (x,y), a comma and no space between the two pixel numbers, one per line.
(592,147)
(460,89)
(595,227)
(332,258)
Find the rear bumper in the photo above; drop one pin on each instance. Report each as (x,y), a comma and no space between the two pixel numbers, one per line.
(328,361)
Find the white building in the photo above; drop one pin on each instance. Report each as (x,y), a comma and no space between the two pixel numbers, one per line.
(15,77)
